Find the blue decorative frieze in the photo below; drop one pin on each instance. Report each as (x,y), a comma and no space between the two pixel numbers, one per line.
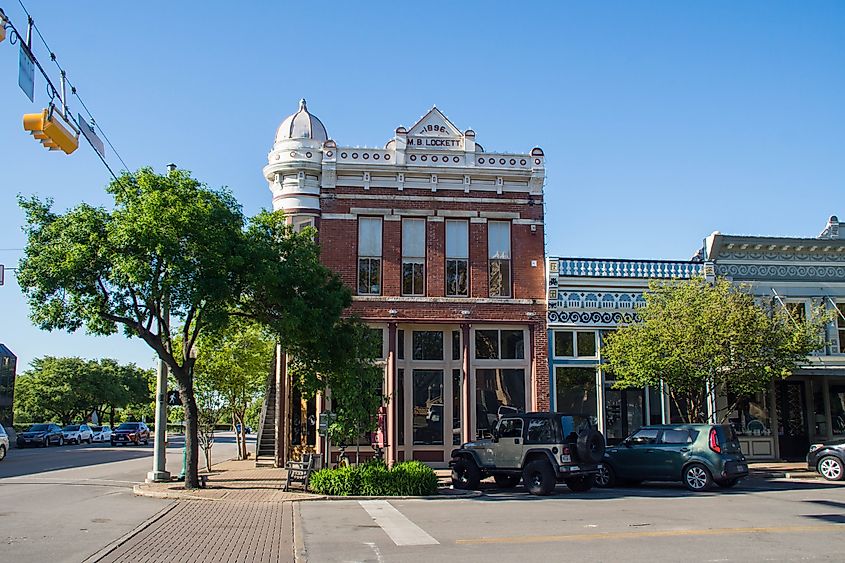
(782,271)
(783,256)
(593,318)
(613,268)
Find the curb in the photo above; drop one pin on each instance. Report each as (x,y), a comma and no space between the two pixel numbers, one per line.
(139,491)
(128,535)
(466,494)
(300,554)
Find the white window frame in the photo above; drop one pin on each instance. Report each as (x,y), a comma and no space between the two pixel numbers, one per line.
(575,332)
(457,255)
(370,256)
(507,285)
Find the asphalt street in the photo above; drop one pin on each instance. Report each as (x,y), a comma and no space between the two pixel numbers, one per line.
(783,520)
(62,504)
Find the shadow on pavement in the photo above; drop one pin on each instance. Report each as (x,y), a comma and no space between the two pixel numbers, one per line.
(653,490)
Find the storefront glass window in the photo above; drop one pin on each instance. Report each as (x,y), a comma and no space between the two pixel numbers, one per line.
(487,344)
(456,344)
(752,416)
(457,393)
(513,345)
(655,400)
(494,388)
(564,343)
(575,390)
(837,408)
(400,406)
(400,343)
(428,345)
(428,407)
(586,344)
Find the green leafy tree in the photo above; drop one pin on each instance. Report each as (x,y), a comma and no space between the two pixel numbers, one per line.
(235,362)
(346,368)
(175,253)
(696,336)
(61,389)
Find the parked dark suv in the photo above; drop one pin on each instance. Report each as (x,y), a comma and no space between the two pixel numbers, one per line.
(41,435)
(828,459)
(131,433)
(696,454)
(538,448)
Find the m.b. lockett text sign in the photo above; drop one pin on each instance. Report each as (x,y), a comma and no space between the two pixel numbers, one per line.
(434,141)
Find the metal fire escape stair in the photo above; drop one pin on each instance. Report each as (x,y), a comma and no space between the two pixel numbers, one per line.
(265,448)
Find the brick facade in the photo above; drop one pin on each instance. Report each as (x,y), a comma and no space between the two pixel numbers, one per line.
(402,181)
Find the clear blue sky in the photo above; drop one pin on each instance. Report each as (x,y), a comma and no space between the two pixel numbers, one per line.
(661,121)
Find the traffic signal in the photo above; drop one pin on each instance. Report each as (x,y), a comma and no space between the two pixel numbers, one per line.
(54,131)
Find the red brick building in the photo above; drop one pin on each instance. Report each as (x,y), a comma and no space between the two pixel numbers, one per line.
(443,245)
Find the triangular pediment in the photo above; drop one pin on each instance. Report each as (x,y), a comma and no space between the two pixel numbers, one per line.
(434,124)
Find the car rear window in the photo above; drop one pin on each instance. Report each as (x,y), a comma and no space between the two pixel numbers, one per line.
(129,426)
(96,428)
(540,431)
(39,427)
(676,436)
(71,428)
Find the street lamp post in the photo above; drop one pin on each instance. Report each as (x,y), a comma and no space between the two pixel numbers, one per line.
(159,472)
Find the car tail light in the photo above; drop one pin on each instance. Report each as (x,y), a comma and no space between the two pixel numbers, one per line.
(566,451)
(714,441)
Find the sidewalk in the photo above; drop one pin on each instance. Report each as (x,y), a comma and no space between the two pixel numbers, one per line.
(782,470)
(233,481)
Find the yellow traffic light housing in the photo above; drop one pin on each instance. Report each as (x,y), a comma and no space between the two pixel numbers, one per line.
(54,131)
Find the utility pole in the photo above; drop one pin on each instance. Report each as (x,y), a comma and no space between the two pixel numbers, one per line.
(159,472)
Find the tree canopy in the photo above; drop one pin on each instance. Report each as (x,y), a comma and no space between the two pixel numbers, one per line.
(71,389)
(176,253)
(696,336)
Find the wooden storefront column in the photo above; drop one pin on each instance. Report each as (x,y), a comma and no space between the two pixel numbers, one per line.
(392,418)
(466,400)
(282,402)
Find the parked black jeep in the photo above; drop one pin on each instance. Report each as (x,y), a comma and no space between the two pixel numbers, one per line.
(540,448)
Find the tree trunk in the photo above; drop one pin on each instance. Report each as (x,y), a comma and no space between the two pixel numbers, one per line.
(238,435)
(111,417)
(185,377)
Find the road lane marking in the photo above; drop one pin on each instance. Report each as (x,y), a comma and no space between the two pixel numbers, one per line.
(395,524)
(837,528)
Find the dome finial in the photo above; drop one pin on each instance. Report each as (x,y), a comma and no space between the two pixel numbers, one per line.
(302,105)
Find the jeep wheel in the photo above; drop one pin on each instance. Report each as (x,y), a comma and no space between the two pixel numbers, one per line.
(539,477)
(506,481)
(465,474)
(605,477)
(580,484)
(697,478)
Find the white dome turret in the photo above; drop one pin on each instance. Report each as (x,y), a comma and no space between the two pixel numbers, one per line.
(302,125)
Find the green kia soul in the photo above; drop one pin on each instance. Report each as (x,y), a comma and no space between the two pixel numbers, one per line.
(696,454)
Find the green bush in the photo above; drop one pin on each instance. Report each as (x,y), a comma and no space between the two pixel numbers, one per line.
(409,478)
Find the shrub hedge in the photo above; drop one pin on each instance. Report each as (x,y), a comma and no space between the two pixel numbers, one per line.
(409,478)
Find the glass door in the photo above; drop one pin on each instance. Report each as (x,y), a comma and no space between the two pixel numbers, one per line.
(624,412)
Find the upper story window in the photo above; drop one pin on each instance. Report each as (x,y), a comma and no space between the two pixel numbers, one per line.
(575,344)
(457,258)
(840,326)
(797,310)
(499,254)
(413,256)
(369,256)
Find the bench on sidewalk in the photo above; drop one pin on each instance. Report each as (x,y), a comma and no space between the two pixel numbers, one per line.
(299,472)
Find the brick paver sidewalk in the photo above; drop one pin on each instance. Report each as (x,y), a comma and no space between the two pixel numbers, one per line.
(212,532)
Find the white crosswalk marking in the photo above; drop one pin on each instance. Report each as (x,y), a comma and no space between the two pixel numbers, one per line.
(401,530)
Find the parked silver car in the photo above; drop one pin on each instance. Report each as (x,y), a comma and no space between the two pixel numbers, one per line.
(4,443)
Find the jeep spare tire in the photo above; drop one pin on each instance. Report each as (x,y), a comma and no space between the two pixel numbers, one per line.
(590,446)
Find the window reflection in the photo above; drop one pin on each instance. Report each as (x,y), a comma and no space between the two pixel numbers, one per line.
(428,413)
(494,388)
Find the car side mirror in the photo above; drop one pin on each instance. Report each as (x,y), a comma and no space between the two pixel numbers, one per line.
(626,442)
